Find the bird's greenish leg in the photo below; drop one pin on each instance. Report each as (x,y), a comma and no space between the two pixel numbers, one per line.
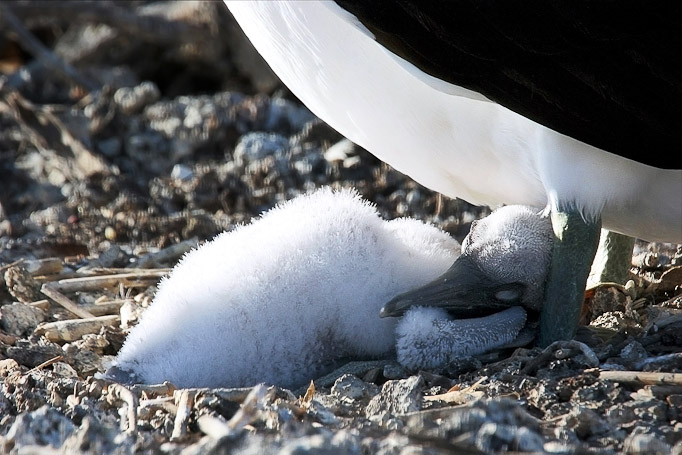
(575,244)
(613,259)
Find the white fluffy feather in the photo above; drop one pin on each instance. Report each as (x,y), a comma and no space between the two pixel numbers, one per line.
(513,244)
(281,299)
(428,338)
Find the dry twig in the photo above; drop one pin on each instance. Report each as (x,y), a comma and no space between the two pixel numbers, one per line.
(117,392)
(213,426)
(74,329)
(138,278)
(45,364)
(642,377)
(460,396)
(52,291)
(47,132)
(153,389)
(184,400)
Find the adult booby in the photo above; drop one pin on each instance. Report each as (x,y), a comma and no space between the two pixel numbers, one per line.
(284,299)
(577,109)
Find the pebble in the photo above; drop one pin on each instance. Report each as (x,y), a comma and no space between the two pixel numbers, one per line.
(645,444)
(632,353)
(19,318)
(7,366)
(21,285)
(40,428)
(131,100)
(257,146)
(396,397)
(325,443)
(182,172)
(352,388)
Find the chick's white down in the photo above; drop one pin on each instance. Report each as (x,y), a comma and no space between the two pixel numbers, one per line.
(281,299)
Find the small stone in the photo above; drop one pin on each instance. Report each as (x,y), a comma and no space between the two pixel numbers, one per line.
(495,437)
(7,366)
(5,228)
(585,422)
(633,352)
(257,146)
(645,444)
(42,427)
(182,172)
(321,413)
(130,313)
(19,318)
(21,285)
(110,233)
(397,397)
(133,99)
(394,371)
(64,370)
(352,387)
(31,354)
(327,443)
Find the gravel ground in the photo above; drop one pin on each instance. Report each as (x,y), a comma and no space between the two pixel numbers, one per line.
(145,128)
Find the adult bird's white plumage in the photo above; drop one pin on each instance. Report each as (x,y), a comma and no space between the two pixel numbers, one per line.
(448,138)
(454,140)
(282,299)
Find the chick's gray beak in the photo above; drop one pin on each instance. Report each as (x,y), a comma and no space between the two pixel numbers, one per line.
(464,291)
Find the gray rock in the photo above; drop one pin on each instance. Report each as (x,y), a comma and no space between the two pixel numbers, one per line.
(397,397)
(182,172)
(494,437)
(19,318)
(257,146)
(633,353)
(394,371)
(585,423)
(651,411)
(325,443)
(285,112)
(42,427)
(131,100)
(350,387)
(645,444)
(321,413)
(96,437)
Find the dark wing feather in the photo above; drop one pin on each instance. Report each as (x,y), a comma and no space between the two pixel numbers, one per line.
(608,73)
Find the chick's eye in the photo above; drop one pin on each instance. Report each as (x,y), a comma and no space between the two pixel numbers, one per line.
(508,295)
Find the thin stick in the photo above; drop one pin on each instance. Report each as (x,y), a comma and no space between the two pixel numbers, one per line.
(74,329)
(213,426)
(120,393)
(50,290)
(11,264)
(45,266)
(96,283)
(642,377)
(45,364)
(184,400)
(166,388)
(167,255)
